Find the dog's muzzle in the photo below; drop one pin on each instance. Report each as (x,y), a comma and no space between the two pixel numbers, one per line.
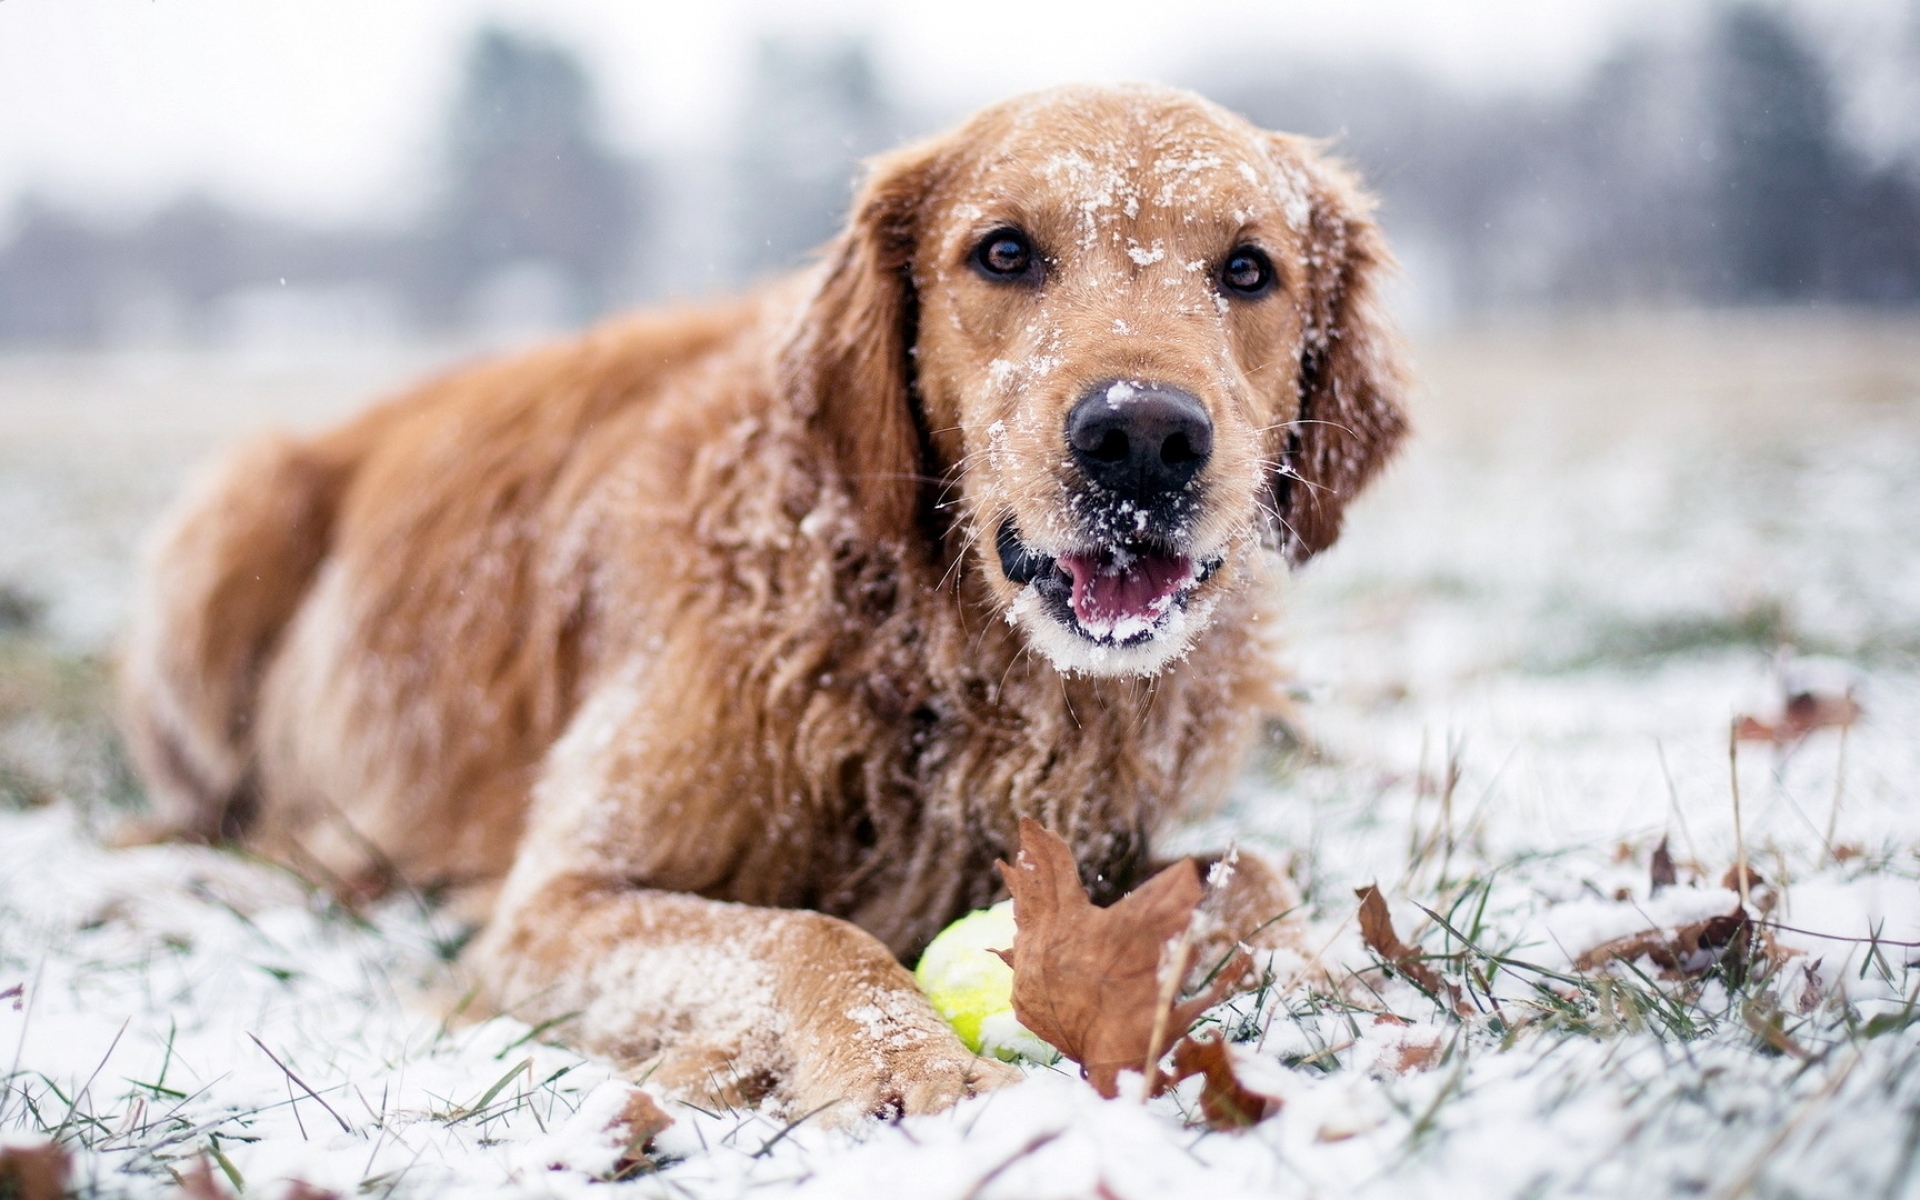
(1120,595)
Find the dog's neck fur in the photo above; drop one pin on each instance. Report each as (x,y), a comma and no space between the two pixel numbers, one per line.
(961,727)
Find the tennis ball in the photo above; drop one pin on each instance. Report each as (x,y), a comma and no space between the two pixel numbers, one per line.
(973,989)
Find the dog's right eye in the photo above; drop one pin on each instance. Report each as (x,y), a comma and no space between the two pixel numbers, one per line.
(1004,254)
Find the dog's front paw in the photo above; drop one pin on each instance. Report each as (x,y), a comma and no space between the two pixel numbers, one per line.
(925,1079)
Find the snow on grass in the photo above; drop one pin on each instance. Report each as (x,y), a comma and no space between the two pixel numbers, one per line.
(1516,676)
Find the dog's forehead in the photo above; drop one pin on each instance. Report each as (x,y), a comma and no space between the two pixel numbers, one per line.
(1152,159)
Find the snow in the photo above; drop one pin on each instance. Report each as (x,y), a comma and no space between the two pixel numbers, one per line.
(1518,671)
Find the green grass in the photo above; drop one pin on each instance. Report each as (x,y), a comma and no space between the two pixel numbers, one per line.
(1617,640)
(57,734)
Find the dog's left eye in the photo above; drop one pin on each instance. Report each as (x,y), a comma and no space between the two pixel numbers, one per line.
(1005,254)
(1247,272)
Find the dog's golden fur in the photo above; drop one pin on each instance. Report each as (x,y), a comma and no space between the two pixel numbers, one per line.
(688,635)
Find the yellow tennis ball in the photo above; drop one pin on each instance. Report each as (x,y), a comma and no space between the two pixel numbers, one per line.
(973,989)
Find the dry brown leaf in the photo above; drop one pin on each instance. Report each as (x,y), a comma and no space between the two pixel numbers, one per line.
(198,1183)
(1689,951)
(1760,892)
(1224,1100)
(1811,993)
(1661,874)
(1769,1024)
(300,1189)
(1805,712)
(1731,880)
(1416,1056)
(1101,984)
(33,1172)
(1376,929)
(639,1122)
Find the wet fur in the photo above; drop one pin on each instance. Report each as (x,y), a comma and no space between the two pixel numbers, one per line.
(687,636)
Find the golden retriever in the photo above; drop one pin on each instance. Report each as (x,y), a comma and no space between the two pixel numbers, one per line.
(724,649)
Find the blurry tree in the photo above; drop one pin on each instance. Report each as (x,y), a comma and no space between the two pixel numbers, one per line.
(812,112)
(1877,250)
(1633,186)
(52,274)
(528,180)
(1780,165)
(528,186)
(1461,180)
(1679,171)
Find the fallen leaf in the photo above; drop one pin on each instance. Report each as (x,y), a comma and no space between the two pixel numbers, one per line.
(1416,1056)
(1769,1024)
(33,1172)
(198,1183)
(1690,951)
(1811,992)
(1661,873)
(1804,712)
(1101,985)
(1224,1100)
(639,1122)
(1731,880)
(1759,891)
(1376,929)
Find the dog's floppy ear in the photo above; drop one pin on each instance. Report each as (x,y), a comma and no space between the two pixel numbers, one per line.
(1351,379)
(851,358)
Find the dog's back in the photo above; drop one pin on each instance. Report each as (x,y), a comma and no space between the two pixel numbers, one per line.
(433,503)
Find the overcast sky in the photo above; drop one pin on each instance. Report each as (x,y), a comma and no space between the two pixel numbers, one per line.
(326,108)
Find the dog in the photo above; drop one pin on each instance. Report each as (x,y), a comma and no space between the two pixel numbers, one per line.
(719,652)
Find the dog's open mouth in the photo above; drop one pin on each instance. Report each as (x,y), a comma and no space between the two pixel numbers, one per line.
(1116,595)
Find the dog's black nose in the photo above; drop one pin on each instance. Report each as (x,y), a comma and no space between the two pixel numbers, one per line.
(1139,440)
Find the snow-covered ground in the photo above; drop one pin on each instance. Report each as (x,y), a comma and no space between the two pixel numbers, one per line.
(1516,675)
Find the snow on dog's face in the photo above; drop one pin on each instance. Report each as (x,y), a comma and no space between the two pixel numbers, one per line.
(1141,341)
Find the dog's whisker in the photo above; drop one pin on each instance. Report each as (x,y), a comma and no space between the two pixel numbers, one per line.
(1287,469)
(970,540)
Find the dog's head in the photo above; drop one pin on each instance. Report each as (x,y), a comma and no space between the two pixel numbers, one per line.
(1121,337)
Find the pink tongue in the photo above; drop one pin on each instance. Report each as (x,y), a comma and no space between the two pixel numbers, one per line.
(1107,598)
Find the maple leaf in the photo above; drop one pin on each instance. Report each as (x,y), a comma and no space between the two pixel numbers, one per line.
(1101,985)
(1376,929)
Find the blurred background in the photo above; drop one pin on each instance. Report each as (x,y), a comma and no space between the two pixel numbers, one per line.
(1661,270)
(237,174)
